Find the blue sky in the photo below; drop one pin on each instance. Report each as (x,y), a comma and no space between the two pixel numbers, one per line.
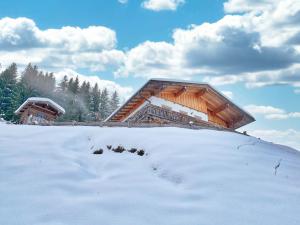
(247,49)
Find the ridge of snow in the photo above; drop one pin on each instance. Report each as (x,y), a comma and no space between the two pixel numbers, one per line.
(49,176)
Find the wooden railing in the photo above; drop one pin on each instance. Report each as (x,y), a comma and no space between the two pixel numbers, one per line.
(151,112)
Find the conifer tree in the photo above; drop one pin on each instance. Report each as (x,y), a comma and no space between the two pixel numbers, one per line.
(114,102)
(63,84)
(104,104)
(71,85)
(95,102)
(76,86)
(9,98)
(81,102)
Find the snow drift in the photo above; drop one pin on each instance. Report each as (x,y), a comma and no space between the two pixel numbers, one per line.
(49,176)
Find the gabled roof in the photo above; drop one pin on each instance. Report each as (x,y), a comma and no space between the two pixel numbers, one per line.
(46,101)
(213,98)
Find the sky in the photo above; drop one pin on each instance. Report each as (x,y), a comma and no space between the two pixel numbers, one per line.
(247,49)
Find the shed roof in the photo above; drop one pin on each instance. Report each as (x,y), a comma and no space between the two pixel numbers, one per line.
(41,100)
(156,86)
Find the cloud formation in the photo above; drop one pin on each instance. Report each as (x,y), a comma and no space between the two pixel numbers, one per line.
(123,1)
(254,47)
(271,112)
(228,94)
(160,5)
(261,109)
(288,137)
(241,6)
(93,47)
(258,46)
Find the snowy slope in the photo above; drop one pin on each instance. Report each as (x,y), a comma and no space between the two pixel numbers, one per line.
(48,175)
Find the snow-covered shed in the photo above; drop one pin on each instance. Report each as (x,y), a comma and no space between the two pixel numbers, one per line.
(181,102)
(37,110)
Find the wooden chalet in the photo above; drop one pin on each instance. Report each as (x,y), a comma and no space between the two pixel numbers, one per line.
(167,101)
(39,111)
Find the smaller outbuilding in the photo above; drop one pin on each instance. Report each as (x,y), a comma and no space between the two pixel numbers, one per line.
(37,110)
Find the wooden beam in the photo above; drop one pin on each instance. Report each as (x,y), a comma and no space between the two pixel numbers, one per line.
(221,108)
(54,113)
(201,92)
(209,106)
(125,114)
(180,92)
(235,120)
(156,91)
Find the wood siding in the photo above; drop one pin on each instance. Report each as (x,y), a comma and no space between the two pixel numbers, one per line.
(186,99)
(196,103)
(32,110)
(215,119)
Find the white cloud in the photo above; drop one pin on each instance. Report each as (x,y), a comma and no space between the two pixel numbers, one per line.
(154,59)
(289,76)
(94,47)
(239,6)
(22,33)
(159,5)
(228,94)
(288,137)
(123,1)
(261,109)
(253,47)
(271,112)
(283,116)
(232,47)
(259,46)
(124,91)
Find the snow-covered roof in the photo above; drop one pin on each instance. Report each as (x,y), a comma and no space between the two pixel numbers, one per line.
(41,100)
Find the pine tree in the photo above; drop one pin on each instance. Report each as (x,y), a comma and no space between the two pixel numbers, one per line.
(95,102)
(104,104)
(80,101)
(29,82)
(2,85)
(114,102)
(63,85)
(75,89)
(9,98)
(71,85)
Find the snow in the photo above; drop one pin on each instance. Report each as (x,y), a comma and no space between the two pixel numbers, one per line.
(45,100)
(174,107)
(49,176)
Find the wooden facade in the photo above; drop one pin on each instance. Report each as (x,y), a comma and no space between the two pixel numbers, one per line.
(197,97)
(39,111)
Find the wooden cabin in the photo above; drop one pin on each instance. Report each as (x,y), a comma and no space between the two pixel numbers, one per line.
(39,111)
(167,101)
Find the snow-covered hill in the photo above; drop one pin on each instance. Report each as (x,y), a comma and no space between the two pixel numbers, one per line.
(48,175)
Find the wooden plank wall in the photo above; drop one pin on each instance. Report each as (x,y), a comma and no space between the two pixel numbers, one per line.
(214,119)
(191,101)
(33,111)
(186,99)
